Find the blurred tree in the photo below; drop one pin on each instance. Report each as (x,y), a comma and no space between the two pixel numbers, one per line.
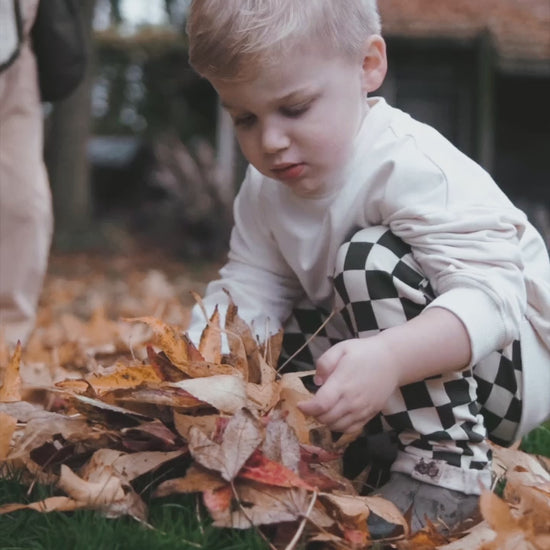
(66,153)
(116,14)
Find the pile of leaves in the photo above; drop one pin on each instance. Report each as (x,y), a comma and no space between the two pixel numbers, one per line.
(131,397)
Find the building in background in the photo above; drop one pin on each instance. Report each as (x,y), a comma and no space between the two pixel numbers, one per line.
(479,71)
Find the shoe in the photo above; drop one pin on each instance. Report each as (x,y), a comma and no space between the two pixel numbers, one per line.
(437,504)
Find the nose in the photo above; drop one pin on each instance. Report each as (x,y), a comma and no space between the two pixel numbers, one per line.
(274,138)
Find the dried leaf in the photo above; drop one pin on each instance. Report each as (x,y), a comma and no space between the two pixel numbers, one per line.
(280,443)
(241,437)
(225,393)
(218,499)
(210,345)
(239,337)
(184,422)
(94,494)
(52,504)
(123,377)
(262,506)
(7,427)
(11,388)
(196,480)
(167,338)
(123,465)
(263,470)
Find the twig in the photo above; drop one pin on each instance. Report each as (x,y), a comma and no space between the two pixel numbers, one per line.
(302,525)
(321,327)
(245,514)
(199,515)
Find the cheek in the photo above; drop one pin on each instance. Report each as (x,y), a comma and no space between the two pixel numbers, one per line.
(334,140)
(246,144)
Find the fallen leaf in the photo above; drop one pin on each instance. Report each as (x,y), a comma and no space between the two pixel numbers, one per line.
(241,438)
(196,480)
(263,470)
(225,393)
(260,505)
(210,345)
(7,427)
(125,466)
(11,388)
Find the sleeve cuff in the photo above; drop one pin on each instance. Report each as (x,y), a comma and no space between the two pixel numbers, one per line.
(479,315)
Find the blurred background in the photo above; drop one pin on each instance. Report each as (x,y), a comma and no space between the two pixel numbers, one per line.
(141,156)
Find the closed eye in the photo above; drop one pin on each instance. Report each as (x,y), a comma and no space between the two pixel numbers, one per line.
(244,121)
(294,111)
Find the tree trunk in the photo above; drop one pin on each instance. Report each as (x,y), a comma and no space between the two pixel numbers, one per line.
(66,152)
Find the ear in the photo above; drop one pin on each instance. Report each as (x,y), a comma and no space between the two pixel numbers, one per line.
(375,63)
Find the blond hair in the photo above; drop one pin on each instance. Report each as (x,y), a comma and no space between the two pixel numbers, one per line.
(228,38)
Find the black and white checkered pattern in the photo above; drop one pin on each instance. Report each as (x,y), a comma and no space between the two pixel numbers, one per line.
(499,380)
(378,285)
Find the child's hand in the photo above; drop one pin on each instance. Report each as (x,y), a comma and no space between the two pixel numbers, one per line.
(356,377)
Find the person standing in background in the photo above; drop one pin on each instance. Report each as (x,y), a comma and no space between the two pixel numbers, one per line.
(43,56)
(26,218)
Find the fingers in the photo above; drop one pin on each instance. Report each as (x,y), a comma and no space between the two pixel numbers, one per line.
(327,363)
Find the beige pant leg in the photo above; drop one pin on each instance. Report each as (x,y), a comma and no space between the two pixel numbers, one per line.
(26,219)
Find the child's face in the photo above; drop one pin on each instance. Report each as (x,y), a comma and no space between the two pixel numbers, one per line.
(296,122)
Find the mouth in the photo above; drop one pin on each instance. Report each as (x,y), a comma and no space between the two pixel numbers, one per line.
(288,171)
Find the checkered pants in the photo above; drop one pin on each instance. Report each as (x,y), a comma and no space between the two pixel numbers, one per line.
(441,423)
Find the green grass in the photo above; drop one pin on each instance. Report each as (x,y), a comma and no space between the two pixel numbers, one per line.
(538,441)
(175,522)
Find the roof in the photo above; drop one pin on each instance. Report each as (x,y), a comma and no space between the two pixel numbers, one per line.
(520,29)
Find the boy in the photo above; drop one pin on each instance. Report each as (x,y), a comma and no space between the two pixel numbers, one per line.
(441,287)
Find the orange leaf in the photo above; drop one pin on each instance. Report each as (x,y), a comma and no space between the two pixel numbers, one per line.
(167,338)
(210,345)
(261,469)
(7,427)
(123,377)
(218,500)
(11,388)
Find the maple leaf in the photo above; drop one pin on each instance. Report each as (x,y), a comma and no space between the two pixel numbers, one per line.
(241,437)
(269,472)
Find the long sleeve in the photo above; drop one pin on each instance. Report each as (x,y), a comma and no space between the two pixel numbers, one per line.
(467,247)
(256,275)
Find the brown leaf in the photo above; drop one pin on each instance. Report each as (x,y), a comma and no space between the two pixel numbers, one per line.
(263,397)
(280,443)
(241,437)
(123,377)
(263,470)
(94,494)
(163,366)
(218,500)
(166,338)
(196,480)
(497,513)
(240,337)
(225,393)
(210,345)
(184,422)
(125,466)
(474,540)
(7,427)
(293,392)
(52,504)
(271,349)
(11,388)
(262,506)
